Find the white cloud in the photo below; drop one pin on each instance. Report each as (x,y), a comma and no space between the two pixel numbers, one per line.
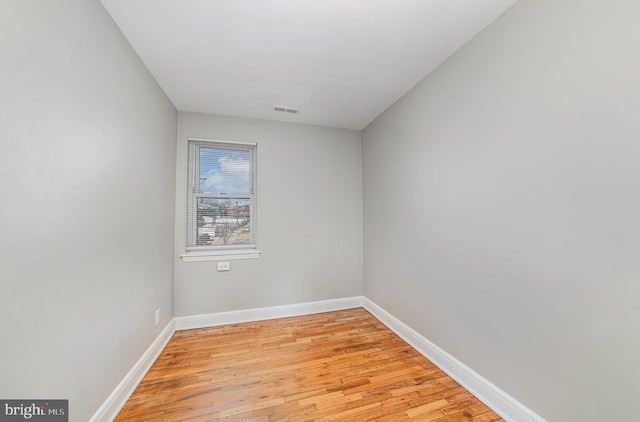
(231,177)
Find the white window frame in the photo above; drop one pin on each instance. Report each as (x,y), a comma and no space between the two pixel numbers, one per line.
(217,252)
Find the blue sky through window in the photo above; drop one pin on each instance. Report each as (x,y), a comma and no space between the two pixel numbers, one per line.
(224,171)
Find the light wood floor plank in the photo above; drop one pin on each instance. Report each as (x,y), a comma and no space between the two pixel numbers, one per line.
(335,366)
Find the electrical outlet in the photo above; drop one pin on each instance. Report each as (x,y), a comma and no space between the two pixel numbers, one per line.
(224,266)
(157,316)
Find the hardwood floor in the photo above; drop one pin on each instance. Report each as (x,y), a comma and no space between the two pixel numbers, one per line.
(336,366)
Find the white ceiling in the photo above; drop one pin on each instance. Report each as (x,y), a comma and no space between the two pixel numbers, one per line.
(342,62)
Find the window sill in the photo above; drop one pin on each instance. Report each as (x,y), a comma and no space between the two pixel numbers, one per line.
(200,256)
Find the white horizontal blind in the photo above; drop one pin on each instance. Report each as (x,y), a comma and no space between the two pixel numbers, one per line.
(221,195)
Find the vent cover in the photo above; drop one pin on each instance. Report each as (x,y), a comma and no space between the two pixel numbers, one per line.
(286,109)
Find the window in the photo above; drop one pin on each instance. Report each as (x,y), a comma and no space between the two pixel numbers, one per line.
(221,194)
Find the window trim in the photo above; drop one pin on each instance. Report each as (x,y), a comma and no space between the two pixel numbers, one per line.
(219,255)
(219,252)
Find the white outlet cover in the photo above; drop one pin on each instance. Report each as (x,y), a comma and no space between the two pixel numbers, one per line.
(224,266)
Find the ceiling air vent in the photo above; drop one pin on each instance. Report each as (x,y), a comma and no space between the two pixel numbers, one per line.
(286,109)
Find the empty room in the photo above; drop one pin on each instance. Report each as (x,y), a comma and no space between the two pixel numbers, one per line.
(314,210)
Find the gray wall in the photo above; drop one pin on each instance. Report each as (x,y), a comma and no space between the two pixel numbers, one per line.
(502,204)
(309,218)
(87,164)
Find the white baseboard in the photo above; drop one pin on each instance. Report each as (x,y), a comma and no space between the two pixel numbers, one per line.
(261,314)
(117,399)
(502,403)
(499,401)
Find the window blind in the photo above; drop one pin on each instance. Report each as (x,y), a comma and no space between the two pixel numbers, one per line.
(221,195)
